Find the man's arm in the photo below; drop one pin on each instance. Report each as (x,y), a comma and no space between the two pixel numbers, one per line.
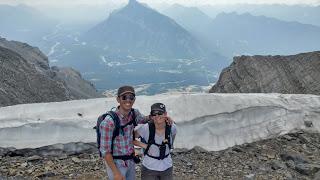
(140,118)
(106,129)
(138,143)
(116,173)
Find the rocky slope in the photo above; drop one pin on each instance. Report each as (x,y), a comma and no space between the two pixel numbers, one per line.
(291,156)
(295,74)
(26,77)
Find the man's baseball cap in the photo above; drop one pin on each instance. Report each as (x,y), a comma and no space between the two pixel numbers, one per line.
(125,89)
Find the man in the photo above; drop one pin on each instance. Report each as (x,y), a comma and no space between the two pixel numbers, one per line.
(119,160)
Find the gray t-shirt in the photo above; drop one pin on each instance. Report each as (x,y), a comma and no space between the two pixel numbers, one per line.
(149,162)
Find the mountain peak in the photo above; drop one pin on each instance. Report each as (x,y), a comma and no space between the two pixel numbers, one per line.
(136,6)
(132,1)
(137,29)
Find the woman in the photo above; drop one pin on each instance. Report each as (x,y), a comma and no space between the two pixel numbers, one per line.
(157,161)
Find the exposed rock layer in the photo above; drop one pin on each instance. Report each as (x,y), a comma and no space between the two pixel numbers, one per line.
(295,74)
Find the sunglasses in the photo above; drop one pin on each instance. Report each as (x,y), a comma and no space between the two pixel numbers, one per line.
(129,97)
(156,113)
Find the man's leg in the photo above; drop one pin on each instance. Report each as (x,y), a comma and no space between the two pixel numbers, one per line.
(131,170)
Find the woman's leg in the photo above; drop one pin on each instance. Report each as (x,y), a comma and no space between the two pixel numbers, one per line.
(147,174)
(167,174)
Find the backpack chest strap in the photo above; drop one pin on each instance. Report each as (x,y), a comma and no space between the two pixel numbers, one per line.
(162,147)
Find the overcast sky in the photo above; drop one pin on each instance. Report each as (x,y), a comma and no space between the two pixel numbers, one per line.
(183,2)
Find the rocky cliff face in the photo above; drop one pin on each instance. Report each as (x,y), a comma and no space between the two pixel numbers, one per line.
(26,77)
(73,81)
(295,74)
(32,54)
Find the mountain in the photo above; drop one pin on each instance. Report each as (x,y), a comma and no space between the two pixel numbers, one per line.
(27,78)
(138,30)
(24,23)
(191,18)
(295,74)
(304,14)
(237,34)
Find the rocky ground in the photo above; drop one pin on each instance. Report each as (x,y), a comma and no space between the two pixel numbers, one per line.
(291,156)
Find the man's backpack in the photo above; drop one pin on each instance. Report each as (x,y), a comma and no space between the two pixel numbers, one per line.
(162,147)
(118,128)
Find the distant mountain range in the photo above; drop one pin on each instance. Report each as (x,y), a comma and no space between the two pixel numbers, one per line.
(26,77)
(236,34)
(304,14)
(295,74)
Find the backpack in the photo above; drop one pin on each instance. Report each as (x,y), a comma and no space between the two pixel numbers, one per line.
(118,128)
(162,147)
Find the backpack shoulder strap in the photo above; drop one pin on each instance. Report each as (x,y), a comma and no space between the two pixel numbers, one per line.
(134,117)
(168,134)
(152,133)
(134,122)
(116,130)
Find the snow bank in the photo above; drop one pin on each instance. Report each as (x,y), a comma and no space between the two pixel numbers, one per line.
(212,121)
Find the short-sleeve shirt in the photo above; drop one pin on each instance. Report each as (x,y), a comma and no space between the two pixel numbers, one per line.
(149,162)
(123,143)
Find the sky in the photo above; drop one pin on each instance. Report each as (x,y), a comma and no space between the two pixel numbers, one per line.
(183,2)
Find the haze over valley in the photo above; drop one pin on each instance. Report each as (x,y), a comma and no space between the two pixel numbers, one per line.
(159,47)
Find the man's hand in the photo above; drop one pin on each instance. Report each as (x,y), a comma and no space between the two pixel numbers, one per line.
(115,171)
(118,176)
(169,120)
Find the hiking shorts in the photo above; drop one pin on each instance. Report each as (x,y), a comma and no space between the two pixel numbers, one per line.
(129,171)
(147,174)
